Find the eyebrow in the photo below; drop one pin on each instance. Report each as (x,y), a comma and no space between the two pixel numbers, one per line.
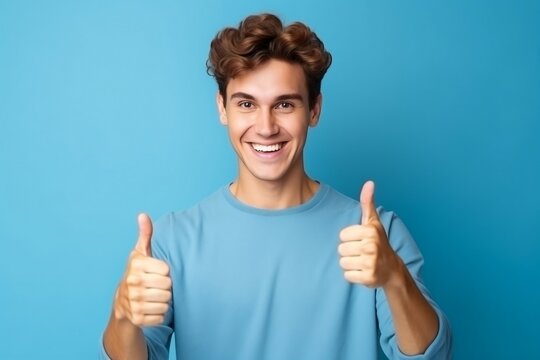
(293,96)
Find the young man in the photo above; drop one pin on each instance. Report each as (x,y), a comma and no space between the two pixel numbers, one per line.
(274,265)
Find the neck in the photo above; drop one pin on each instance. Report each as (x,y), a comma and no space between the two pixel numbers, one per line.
(274,195)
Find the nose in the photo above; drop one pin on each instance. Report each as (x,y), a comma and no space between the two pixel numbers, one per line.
(266,125)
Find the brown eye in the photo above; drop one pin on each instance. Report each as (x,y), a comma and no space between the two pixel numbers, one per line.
(246,105)
(284,105)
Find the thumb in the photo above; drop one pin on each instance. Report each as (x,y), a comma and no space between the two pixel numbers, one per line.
(145,235)
(367,203)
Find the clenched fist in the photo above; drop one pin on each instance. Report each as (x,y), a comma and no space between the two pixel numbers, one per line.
(144,293)
(366,255)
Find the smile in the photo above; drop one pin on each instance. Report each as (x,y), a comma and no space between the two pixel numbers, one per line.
(266,148)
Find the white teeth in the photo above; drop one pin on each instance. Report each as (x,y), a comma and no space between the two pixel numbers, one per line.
(266,148)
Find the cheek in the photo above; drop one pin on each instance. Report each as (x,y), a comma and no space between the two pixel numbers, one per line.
(299,131)
(296,125)
(236,130)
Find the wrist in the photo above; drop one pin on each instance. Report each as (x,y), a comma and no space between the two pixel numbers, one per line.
(398,279)
(118,312)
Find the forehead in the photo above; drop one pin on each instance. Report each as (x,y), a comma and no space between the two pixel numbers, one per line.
(270,80)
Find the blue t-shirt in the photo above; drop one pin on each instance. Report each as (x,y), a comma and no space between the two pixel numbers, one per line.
(262,284)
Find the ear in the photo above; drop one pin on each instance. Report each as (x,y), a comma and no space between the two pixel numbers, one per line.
(221,109)
(315,112)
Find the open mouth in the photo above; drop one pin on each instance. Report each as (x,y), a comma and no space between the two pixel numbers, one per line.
(267,148)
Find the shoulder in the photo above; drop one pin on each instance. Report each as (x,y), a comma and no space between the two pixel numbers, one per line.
(336,203)
(178,228)
(338,198)
(346,205)
(349,207)
(192,215)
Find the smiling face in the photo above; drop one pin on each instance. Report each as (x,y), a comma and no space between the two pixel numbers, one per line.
(267,115)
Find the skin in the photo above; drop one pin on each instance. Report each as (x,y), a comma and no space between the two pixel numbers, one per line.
(269,105)
(368,259)
(267,109)
(142,299)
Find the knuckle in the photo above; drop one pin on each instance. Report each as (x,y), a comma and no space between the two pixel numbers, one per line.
(168,297)
(372,231)
(168,282)
(135,262)
(137,319)
(132,279)
(166,268)
(369,248)
(163,308)
(136,308)
(136,295)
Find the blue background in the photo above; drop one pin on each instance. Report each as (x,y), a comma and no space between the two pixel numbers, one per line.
(106,111)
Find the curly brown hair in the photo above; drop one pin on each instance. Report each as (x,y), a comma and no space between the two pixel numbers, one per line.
(260,38)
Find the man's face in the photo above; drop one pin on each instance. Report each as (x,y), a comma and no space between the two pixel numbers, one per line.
(267,115)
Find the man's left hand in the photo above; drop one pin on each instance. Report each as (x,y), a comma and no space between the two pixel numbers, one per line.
(366,255)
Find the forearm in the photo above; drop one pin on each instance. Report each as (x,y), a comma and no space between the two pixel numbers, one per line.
(415,320)
(123,340)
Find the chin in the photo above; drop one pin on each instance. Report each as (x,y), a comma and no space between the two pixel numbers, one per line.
(268,177)
(266,174)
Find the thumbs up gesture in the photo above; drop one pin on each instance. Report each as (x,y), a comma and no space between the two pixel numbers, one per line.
(366,255)
(145,290)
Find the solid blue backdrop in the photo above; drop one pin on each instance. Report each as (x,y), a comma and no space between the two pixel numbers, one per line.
(106,110)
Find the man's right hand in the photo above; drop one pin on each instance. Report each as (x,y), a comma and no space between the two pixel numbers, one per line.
(144,293)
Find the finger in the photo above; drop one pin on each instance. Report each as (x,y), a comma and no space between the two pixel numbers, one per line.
(350,248)
(354,276)
(350,263)
(137,294)
(153,295)
(367,203)
(150,266)
(156,281)
(153,308)
(153,320)
(365,278)
(358,232)
(369,248)
(147,320)
(156,295)
(358,248)
(145,235)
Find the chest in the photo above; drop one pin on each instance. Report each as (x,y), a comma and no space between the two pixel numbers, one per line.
(283,266)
